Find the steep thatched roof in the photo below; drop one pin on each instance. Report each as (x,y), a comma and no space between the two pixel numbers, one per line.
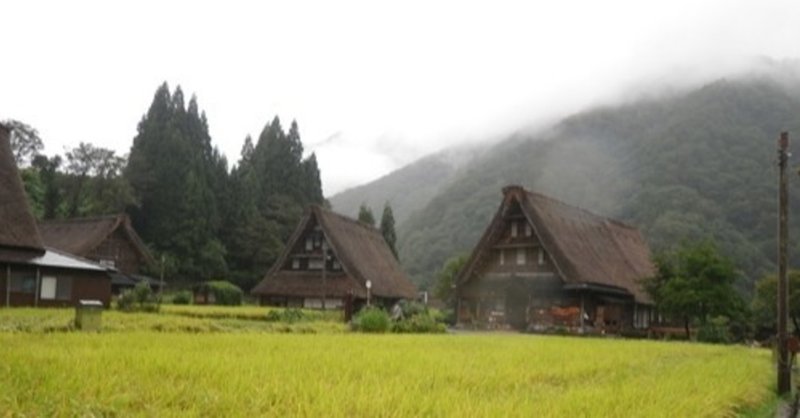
(587,249)
(360,249)
(17,224)
(82,235)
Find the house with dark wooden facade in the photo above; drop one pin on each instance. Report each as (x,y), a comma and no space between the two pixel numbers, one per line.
(108,240)
(542,264)
(32,274)
(336,259)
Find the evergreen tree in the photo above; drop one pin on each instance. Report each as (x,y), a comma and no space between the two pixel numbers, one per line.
(387,228)
(177,177)
(365,215)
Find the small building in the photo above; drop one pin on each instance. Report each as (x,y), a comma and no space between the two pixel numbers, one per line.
(108,240)
(355,254)
(32,274)
(542,264)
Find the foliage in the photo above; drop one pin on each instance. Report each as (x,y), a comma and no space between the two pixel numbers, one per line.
(695,282)
(387,228)
(140,298)
(446,278)
(371,319)
(420,323)
(25,141)
(765,304)
(224,292)
(715,330)
(365,215)
(183,297)
(250,374)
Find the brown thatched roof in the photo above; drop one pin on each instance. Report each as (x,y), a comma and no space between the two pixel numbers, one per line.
(17,224)
(586,248)
(360,249)
(82,235)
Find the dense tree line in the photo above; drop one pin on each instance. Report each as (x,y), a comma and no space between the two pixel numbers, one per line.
(204,220)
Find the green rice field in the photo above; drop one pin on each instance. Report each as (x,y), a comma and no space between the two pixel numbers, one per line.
(255,371)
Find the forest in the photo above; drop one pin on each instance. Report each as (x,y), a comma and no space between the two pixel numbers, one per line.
(200,217)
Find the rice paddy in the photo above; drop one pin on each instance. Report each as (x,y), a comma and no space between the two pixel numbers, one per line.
(138,371)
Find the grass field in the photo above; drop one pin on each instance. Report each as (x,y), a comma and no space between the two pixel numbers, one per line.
(170,373)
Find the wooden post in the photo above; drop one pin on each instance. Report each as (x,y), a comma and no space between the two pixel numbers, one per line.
(784,366)
(36,288)
(583,309)
(8,285)
(324,269)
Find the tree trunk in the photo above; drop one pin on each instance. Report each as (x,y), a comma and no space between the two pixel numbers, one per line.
(686,327)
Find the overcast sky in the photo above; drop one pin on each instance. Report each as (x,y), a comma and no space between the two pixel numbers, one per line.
(372,85)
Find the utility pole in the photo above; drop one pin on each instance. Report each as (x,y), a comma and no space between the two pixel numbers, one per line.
(784,366)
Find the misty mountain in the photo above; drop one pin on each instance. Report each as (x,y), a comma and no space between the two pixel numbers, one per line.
(408,189)
(695,165)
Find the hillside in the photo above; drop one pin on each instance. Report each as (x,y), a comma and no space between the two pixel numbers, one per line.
(407,189)
(695,165)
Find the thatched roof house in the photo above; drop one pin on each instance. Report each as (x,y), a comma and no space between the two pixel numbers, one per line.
(356,254)
(538,254)
(108,240)
(31,273)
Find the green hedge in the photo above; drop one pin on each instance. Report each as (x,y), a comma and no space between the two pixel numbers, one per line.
(225,293)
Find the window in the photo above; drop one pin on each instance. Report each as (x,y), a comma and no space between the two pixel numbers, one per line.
(64,288)
(502,257)
(309,244)
(528,230)
(48,288)
(336,265)
(295,264)
(514,230)
(315,264)
(520,256)
(541,256)
(23,281)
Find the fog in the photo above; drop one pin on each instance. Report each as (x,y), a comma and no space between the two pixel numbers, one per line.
(372,86)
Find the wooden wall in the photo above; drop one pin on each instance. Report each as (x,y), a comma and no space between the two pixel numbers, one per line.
(84,285)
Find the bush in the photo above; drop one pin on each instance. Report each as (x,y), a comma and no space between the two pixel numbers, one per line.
(140,298)
(225,293)
(424,322)
(715,331)
(371,319)
(184,297)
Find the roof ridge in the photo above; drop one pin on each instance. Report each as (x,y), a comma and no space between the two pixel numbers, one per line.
(368,227)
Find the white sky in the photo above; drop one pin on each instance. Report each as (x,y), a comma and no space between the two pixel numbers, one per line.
(373,85)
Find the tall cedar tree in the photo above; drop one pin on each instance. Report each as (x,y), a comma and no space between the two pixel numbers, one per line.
(270,187)
(365,215)
(387,228)
(177,177)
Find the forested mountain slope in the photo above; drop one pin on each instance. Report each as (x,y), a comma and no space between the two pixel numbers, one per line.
(686,167)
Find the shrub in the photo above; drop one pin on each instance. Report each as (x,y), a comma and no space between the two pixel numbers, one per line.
(715,331)
(184,297)
(371,319)
(424,322)
(225,293)
(140,298)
